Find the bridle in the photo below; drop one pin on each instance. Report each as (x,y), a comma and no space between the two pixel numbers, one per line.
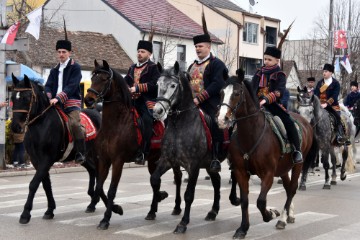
(32,101)
(100,96)
(171,98)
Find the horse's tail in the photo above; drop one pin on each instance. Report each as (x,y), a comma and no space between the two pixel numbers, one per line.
(350,162)
(94,115)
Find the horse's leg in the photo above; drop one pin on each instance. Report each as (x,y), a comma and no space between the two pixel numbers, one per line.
(189,198)
(177,180)
(155,181)
(310,160)
(266,183)
(216,182)
(344,154)
(117,167)
(234,200)
(334,163)
(243,182)
(41,171)
(326,165)
(46,182)
(91,188)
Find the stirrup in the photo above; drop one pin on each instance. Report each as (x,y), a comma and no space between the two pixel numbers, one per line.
(215,166)
(140,158)
(80,158)
(297,157)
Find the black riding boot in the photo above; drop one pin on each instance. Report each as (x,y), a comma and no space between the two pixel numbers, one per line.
(215,165)
(80,151)
(294,138)
(140,155)
(341,139)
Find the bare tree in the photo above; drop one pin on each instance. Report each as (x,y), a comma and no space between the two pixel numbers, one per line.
(225,52)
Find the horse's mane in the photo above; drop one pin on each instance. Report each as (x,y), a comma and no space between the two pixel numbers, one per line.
(317,106)
(249,86)
(121,87)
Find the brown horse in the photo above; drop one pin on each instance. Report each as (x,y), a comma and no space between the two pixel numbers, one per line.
(255,149)
(117,139)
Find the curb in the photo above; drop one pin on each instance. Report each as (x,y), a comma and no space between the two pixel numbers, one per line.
(31,172)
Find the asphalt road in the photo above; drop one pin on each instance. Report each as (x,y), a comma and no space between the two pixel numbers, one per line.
(320,214)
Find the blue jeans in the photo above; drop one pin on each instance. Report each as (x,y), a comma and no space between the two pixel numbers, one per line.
(18,154)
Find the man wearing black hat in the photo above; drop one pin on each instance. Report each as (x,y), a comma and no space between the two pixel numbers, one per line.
(208,75)
(271,82)
(327,90)
(353,96)
(142,79)
(310,85)
(63,87)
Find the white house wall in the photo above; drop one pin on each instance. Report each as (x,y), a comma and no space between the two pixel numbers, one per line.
(94,16)
(293,80)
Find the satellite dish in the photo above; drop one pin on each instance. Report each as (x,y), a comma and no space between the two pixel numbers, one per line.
(252,2)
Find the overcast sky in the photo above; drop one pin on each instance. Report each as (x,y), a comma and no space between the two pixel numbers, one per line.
(303,11)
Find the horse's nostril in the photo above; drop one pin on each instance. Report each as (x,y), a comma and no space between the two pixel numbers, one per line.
(161,111)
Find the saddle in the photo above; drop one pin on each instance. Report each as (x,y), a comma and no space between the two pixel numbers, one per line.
(158,131)
(278,128)
(87,127)
(333,126)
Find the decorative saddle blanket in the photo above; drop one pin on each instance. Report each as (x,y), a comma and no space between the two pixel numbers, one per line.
(158,131)
(333,125)
(279,129)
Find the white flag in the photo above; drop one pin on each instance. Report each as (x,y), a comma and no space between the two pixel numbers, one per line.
(35,21)
(346,64)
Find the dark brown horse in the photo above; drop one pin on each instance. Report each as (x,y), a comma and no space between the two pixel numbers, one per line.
(255,149)
(117,139)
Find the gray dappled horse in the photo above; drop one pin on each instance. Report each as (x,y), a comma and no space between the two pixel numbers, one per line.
(184,143)
(310,108)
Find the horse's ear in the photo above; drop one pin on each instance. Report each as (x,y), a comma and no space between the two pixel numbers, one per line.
(312,98)
(27,81)
(298,89)
(298,97)
(106,65)
(96,64)
(176,67)
(160,68)
(305,89)
(14,79)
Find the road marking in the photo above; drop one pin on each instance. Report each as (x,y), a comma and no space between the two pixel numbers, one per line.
(348,232)
(264,230)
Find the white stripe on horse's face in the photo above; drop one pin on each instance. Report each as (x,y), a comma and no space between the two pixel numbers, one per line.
(228,91)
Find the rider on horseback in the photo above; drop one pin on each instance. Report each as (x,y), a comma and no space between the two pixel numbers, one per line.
(63,86)
(142,79)
(352,97)
(271,82)
(327,90)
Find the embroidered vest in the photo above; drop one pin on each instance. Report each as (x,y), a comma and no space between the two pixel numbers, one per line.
(197,77)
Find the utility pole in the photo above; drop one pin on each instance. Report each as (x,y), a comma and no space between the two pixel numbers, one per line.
(331,32)
(2,87)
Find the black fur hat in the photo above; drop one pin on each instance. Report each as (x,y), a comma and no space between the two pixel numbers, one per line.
(354,83)
(328,67)
(273,51)
(203,37)
(311,79)
(63,44)
(147,45)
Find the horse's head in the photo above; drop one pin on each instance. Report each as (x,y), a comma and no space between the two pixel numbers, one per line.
(170,86)
(23,98)
(231,97)
(305,104)
(101,80)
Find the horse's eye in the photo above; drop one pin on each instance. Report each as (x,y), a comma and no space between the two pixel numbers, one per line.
(172,85)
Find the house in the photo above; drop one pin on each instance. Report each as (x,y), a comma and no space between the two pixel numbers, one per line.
(86,46)
(130,21)
(245,35)
(293,77)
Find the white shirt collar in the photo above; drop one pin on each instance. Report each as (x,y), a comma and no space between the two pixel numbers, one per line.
(64,64)
(141,64)
(328,81)
(199,61)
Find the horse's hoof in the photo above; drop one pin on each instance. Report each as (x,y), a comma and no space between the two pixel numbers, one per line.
(150,216)
(211,216)
(117,209)
(90,210)
(103,225)
(343,178)
(162,195)
(280,225)
(235,202)
(333,183)
(176,212)
(302,187)
(327,187)
(290,220)
(180,229)
(239,234)
(24,220)
(48,216)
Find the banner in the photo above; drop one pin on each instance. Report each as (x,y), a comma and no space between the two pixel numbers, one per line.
(35,22)
(346,64)
(10,34)
(340,39)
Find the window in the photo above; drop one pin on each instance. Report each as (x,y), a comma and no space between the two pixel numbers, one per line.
(157,52)
(250,32)
(250,65)
(181,56)
(271,36)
